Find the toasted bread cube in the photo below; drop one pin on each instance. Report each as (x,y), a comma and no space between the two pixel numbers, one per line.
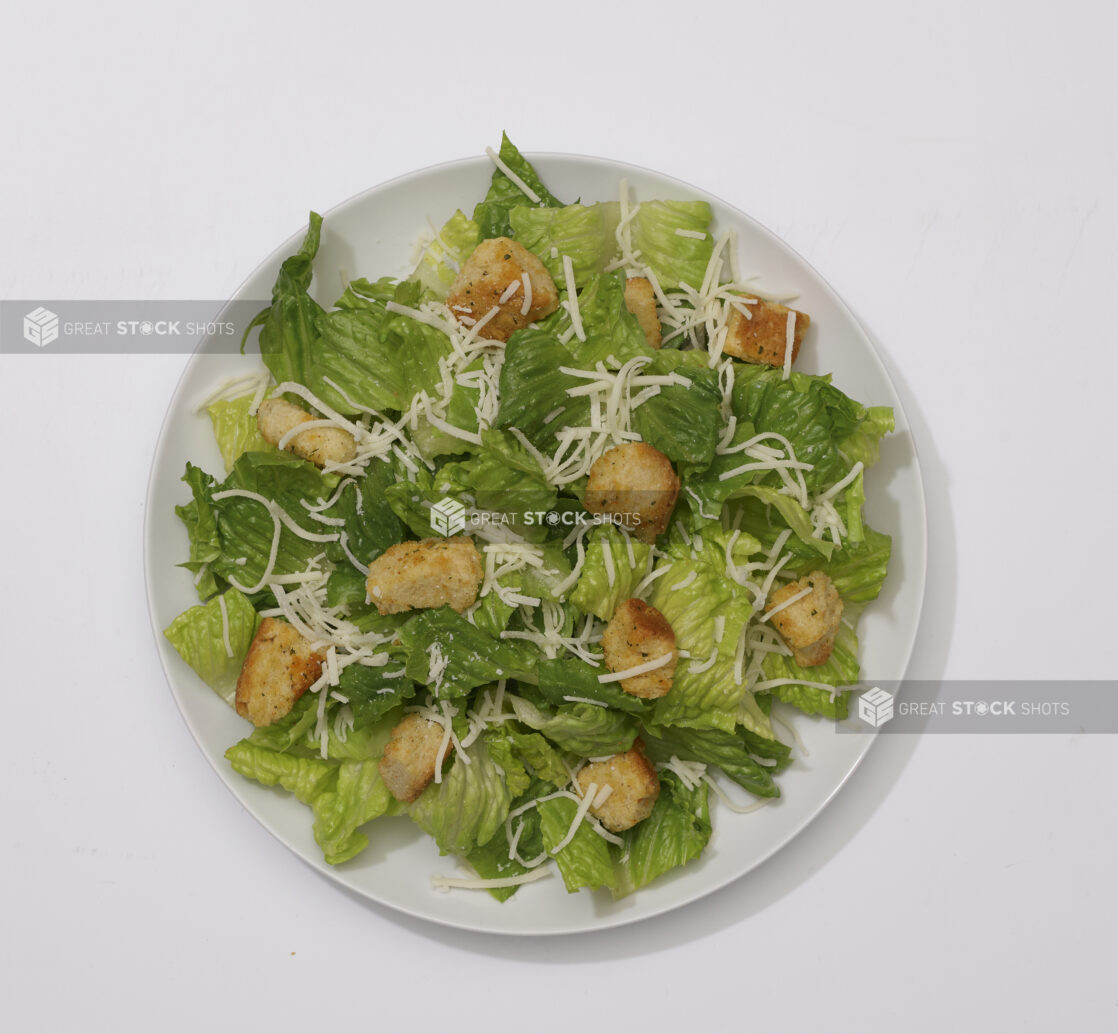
(634,783)
(320,445)
(638,633)
(409,759)
(428,573)
(764,338)
(635,483)
(809,625)
(493,277)
(640,300)
(279,668)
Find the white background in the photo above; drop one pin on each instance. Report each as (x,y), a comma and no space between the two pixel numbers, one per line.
(949,168)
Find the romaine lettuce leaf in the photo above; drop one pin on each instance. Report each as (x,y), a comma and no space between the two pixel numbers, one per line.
(200,635)
(564,677)
(673,835)
(503,477)
(684,423)
(472,658)
(841,669)
(235,429)
(761,520)
(859,570)
(593,593)
(812,414)
(468,806)
(371,694)
(674,258)
(610,328)
(233,536)
(370,526)
(584,862)
(725,749)
(533,749)
(200,519)
(292,732)
(357,796)
(444,256)
(378,359)
(586,729)
(343,795)
(692,595)
(492,214)
(288,328)
(305,777)
(583,233)
(491,860)
(532,388)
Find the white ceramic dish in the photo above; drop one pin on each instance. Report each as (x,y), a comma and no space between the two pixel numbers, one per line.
(374,234)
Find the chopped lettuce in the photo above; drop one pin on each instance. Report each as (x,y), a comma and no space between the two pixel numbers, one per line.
(343,795)
(235,429)
(673,835)
(841,669)
(609,328)
(683,422)
(468,806)
(730,751)
(444,256)
(491,860)
(675,258)
(593,593)
(698,598)
(492,214)
(582,233)
(288,327)
(589,730)
(231,536)
(586,860)
(812,414)
(452,656)
(214,638)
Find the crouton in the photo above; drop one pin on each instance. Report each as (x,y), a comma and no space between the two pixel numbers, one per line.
(764,338)
(638,633)
(634,783)
(809,625)
(640,300)
(408,762)
(428,573)
(279,668)
(319,446)
(492,277)
(636,483)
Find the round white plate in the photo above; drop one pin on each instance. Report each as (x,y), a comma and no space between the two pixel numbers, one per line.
(374,235)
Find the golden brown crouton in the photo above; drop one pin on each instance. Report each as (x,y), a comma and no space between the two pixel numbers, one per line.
(764,338)
(636,483)
(638,633)
(408,762)
(809,625)
(492,277)
(640,300)
(428,573)
(320,446)
(279,668)
(635,788)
